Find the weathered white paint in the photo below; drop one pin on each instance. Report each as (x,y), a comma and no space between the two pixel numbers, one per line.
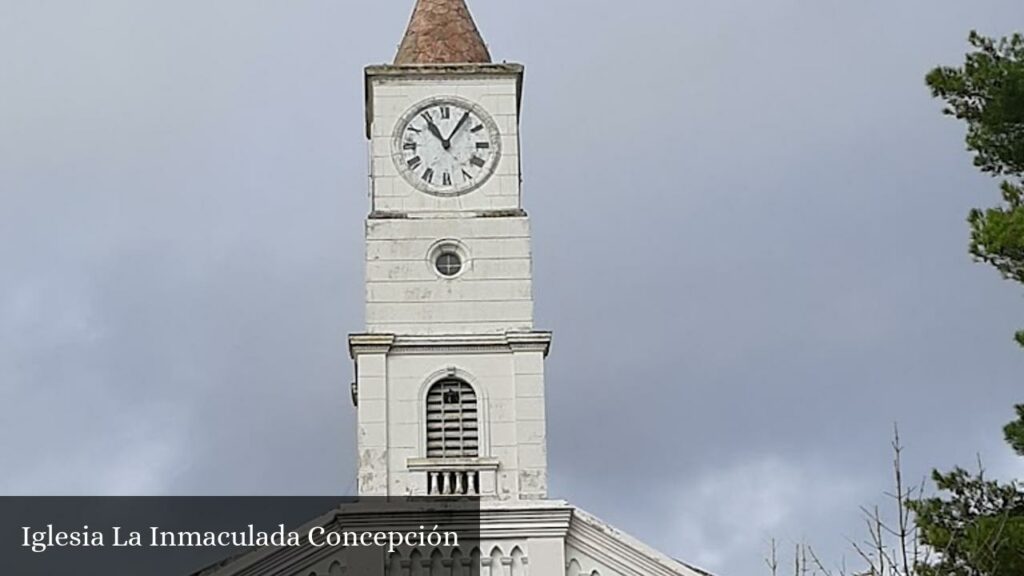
(507,372)
(392,94)
(421,326)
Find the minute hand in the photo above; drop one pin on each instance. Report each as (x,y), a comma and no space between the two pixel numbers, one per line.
(462,122)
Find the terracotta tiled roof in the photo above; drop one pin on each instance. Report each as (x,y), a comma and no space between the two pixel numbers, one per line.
(442,32)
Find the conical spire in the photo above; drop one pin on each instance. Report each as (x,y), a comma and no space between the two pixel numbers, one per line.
(442,32)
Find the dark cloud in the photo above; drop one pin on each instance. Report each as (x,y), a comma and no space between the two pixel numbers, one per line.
(749,243)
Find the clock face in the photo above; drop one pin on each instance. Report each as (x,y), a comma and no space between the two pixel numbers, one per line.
(446,146)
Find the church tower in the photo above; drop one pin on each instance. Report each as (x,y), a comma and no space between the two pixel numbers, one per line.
(449,381)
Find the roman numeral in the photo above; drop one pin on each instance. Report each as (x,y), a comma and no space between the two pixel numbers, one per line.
(478,128)
(416,130)
(446,113)
(446,179)
(483,145)
(409,146)
(414,162)
(477,161)
(428,176)
(426,116)
(467,175)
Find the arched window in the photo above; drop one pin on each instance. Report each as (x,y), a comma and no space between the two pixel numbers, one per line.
(452,423)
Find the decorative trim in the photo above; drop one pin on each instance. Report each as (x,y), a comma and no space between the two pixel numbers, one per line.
(393,215)
(450,464)
(529,341)
(428,70)
(548,519)
(360,344)
(469,343)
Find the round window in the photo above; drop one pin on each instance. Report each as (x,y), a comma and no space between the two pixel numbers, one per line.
(449,259)
(448,264)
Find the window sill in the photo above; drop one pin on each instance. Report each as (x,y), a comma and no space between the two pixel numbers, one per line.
(451,464)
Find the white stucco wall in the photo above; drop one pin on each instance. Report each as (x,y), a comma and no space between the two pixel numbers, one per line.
(393,96)
(406,295)
(509,383)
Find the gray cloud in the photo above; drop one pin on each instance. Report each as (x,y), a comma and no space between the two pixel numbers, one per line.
(749,243)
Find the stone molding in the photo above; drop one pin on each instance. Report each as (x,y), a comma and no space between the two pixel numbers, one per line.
(445,464)
(360,344)
(391,344)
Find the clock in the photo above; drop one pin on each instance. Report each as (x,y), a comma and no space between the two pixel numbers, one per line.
(446,146)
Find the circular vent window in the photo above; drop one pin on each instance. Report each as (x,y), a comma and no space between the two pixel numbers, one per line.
(448,259)
(448,264)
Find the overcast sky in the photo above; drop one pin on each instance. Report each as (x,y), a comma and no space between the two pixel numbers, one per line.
(749,240)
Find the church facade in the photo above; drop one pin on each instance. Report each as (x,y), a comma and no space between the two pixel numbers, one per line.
(449,386)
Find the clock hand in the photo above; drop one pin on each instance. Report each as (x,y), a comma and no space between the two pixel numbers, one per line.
(462,122)
(437,133)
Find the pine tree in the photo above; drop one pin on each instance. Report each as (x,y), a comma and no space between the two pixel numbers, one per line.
(987,93)
(976,528)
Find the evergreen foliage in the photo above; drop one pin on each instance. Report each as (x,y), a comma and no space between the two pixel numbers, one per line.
(987,93)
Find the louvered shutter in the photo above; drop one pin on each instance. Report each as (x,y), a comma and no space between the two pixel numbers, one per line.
(452,423)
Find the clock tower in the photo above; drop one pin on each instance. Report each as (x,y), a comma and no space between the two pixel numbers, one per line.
(449,372)
(449,382)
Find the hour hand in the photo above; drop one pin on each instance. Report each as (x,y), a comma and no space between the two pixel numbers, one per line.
(434,130)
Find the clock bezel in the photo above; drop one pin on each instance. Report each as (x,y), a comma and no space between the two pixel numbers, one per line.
(412,178)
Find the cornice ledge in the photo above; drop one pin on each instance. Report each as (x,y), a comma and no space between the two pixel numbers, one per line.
(502,520)
(516,341)
(359,344)
(529,341)
(446,215)
(392,70)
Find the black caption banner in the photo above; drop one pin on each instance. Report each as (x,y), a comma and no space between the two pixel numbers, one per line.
(222,536)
